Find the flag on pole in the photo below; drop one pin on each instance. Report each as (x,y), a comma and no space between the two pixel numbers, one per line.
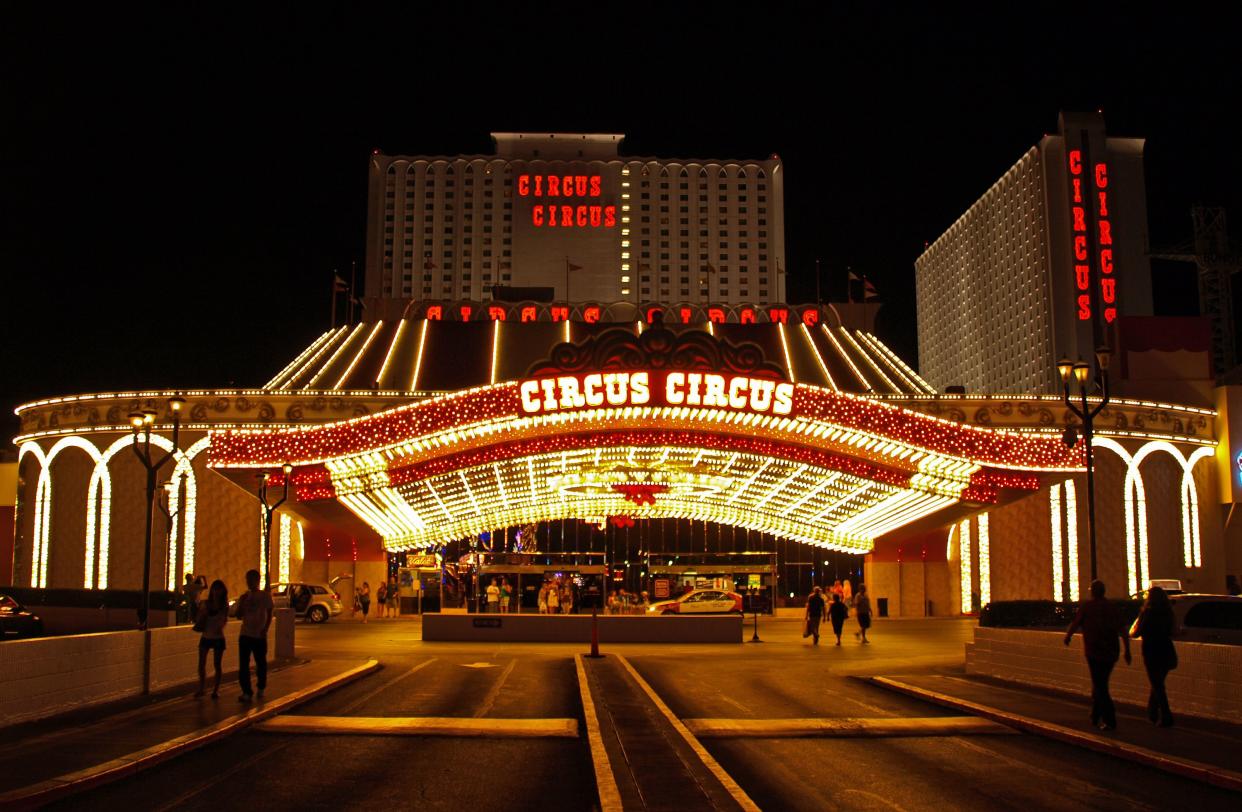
(869,291)
(855,277)
(338,284)
(711,268)
(572,266)
(429,265)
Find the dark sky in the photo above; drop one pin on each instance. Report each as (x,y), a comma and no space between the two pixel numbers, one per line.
(177,186)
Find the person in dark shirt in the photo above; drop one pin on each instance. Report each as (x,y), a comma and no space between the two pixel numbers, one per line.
(837,613)
(814,613)
(1155,625)
(1101,630)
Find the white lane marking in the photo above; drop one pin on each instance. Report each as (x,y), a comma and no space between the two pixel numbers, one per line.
(490,699)
(871,796)
(477,665)
(739,795)
(605,781)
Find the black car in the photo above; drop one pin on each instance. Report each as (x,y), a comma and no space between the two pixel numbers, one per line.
(18,621)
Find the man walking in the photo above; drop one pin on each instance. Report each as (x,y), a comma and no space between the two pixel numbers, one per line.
(814,614)
(1101,629)
(254,608)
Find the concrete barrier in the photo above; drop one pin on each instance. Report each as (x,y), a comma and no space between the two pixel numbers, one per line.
(577,628)
(1207,681)
(49,675)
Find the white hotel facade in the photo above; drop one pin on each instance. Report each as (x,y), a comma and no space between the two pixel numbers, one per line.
(636,229)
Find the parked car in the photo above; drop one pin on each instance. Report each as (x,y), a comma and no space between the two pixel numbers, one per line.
(1208,618)
(699,602)
(314,602)
(18,621)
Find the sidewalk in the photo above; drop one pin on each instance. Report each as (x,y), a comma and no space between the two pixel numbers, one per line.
(1201,749)
(51,758)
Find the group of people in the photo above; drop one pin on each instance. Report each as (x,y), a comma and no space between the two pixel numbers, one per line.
(1105,636)
(624,602)
(387,596)
(254,609)
(499,596)
(557,597)
(835,604)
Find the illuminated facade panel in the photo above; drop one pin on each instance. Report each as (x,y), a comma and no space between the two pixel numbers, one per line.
(560,209)
(1042,265)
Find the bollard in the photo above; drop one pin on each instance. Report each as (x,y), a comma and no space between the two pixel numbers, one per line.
(594,633)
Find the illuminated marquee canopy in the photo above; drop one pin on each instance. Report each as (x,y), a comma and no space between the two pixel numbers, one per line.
(741,448)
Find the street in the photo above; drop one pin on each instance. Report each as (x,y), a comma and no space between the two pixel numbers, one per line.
(781,678)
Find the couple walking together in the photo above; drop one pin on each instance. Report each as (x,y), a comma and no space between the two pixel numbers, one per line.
(837,611)
(254,609)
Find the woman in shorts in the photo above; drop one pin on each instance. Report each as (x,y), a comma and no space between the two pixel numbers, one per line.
(213,613)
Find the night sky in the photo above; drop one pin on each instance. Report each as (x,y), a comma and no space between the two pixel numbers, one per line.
(178,186)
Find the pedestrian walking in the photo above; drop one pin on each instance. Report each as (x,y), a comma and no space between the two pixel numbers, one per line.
(862,609)
(394,598)
(364,600)
(381,597)
(543,599)
(254,609)
(506,596)
(567,599)
(212,614)
(1155,625)
(1101,629)
(837,612)
(493,597)
(814,613)
(191,590)
(554,598)
(847,593)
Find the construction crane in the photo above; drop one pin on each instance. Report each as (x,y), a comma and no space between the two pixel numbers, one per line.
(1216,265)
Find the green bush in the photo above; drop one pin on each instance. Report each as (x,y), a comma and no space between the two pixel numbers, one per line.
(161,600)
(1044,614)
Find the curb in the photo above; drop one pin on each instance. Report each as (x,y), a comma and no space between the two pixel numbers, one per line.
(71,783)
(1186,768)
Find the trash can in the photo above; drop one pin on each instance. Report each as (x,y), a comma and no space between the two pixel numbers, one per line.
(881,606)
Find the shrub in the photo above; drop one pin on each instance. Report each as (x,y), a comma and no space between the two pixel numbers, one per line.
(1044,614)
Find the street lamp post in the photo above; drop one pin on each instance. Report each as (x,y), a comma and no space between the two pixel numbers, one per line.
(169,487)
(142,423)
(268,510)
(1080,371)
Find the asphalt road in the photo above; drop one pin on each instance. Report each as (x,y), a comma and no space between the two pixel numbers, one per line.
(783,677)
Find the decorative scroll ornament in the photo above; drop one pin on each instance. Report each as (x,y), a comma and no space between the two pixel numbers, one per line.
(640,494)
(619,349)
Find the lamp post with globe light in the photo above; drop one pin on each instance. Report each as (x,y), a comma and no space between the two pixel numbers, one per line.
(1080,372)
(268,510)
(142,423)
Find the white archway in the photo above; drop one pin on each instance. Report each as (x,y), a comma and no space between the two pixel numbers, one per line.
(42,541)
(99,506)
(1135,495)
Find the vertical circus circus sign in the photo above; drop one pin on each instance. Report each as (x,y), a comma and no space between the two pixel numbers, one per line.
(1098,207)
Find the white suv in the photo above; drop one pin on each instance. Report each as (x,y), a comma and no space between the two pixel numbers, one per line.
(1208,618)
(315,602)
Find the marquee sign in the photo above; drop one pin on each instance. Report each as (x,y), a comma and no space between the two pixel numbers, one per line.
(656,388)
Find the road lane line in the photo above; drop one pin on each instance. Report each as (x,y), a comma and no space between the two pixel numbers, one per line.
(846,727)
(490,699)
(1207,773)
(367,697)
(605,781)
(739,795)
(423,726)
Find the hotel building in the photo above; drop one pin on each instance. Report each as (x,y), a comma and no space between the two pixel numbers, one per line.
(1047,263)
(567,211)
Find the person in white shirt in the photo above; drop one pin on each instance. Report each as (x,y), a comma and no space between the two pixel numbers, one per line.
(254,608)
(493,597)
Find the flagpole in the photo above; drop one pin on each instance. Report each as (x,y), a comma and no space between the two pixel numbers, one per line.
(333,298)
(849,285)
(353,278)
